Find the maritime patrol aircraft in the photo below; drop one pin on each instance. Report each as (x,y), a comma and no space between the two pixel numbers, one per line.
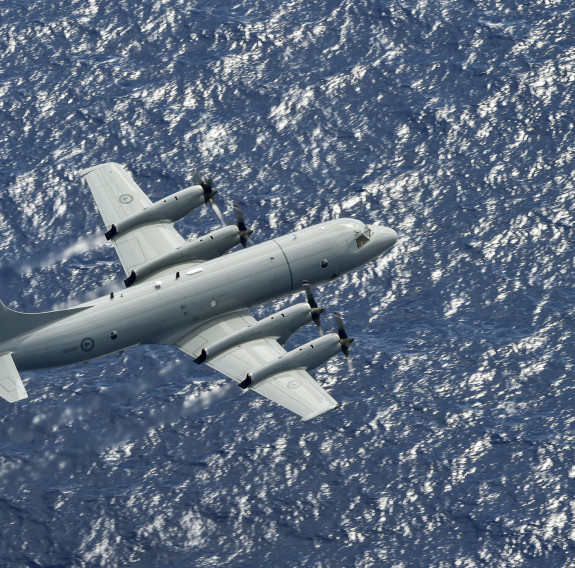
(196,295)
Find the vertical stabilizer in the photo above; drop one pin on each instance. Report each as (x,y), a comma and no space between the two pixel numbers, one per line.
(11,386)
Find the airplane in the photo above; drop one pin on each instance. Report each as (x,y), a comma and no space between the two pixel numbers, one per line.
(196,295)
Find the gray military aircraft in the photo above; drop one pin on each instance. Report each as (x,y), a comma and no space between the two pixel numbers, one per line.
(196,297)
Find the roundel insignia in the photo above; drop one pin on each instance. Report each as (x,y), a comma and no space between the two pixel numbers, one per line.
(294,385)
(125,198)
(87,344)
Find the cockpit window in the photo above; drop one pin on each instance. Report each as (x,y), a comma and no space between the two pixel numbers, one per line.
(363,237)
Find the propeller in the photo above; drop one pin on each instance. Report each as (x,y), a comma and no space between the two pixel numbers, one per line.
(207,185)
(344,340)
(241,224)
(315,309)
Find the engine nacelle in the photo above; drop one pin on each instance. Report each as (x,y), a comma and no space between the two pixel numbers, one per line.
(171,208)
(306,357)
(209,246)
(281,326)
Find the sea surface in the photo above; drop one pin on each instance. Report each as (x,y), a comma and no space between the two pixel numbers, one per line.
(452,122)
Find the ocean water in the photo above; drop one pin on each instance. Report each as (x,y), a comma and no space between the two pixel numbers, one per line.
(453,123)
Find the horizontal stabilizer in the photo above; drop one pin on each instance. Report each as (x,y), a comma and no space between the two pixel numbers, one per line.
(11,386)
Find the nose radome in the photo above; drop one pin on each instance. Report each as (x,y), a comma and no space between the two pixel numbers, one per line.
(387,237)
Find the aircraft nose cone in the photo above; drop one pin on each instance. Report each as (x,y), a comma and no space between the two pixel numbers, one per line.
(390,235)
(387,237)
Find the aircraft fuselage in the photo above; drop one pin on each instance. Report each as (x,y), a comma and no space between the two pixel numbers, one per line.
(164,309)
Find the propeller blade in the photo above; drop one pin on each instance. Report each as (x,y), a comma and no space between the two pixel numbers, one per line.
(344,340)
(345,343)
(207,184)
(240,220)
(218,212)
(309,294)
(315,309)
(241,224)
(339,324)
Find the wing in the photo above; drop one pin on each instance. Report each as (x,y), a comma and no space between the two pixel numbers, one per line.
(295,390)
(117,197)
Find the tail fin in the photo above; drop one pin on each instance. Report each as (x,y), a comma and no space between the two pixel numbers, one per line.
(14,324)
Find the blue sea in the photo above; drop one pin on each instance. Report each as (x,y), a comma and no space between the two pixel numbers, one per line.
(453,123)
